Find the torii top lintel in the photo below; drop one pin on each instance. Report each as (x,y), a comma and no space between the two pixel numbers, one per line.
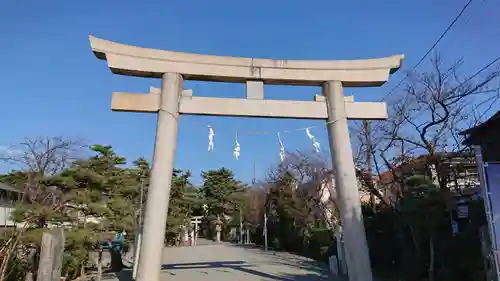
(144,62)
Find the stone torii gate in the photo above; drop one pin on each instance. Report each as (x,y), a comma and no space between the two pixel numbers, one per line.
(172,100)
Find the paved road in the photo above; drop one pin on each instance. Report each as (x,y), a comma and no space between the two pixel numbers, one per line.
(227,262)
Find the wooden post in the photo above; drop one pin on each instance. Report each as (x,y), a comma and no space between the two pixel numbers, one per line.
(99,264)
(58,253)
(46,258)
(136,257)
(51,255)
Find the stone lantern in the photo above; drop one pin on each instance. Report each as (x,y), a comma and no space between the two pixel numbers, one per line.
(218,229)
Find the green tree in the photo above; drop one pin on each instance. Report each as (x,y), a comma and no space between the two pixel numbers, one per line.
(96,196)
(218,191)
(43,203)
(102,198)
(423,209)
(182,200)
(140,171)
(290,214)
(16,179)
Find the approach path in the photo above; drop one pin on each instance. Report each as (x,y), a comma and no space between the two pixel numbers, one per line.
(227,262)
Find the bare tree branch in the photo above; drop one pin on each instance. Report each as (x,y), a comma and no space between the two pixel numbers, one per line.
(434,107)
(42,156)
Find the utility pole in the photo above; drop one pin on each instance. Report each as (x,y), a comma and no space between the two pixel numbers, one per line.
(253,178)
(241,227)
(266,207)
(265,228)
(369,158)
(141,203)
(138,236)
(265,215)
(139,219)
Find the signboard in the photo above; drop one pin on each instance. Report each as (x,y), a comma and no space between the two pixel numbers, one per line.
(462,211)
(492,172)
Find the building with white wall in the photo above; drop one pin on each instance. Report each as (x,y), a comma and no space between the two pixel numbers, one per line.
(8,197)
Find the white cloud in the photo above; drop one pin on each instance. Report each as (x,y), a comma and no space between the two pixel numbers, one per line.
(9,151)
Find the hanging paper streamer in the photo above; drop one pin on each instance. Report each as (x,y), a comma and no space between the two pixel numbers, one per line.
(236,151)
(282,149)
(211,135)
(313,140)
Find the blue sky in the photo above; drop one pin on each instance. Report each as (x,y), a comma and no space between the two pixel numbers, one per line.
(51,83)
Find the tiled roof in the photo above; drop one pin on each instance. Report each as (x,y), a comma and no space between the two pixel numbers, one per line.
(6,187)
(494,118)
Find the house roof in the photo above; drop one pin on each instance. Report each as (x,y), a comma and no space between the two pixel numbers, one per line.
(471,133)
(386,177)
(449,158)
(6,187)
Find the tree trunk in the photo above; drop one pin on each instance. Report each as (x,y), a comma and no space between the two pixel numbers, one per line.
(431,259)
(99,265)
(5,263)
(82,270)
(369,163)
(116,260)
(36,262)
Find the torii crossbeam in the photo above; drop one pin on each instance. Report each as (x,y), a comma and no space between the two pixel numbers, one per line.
(172,100)
(192,105)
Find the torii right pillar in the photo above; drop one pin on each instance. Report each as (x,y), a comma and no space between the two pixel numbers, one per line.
(358,258)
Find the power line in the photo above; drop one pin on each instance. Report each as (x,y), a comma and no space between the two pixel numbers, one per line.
(444,33)
(478,72)
(432,47)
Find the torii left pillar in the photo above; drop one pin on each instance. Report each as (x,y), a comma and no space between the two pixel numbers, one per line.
(161,177)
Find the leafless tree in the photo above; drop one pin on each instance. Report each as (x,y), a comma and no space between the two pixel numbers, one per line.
(438,104)
(37,160)
(305,167)
(257,197)
(426,117)
(42,156)
(313,182)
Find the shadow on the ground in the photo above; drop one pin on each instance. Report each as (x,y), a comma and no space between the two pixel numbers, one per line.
(241,266)
(288,259)
(298,262)
(306,277)
(246,268)
(125,275)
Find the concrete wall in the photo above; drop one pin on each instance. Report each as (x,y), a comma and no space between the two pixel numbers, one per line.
(5,212)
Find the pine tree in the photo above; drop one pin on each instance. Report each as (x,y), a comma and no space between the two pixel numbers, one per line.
(101,196)
(179,208)
(291,217)
(221,193)
(218,189)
